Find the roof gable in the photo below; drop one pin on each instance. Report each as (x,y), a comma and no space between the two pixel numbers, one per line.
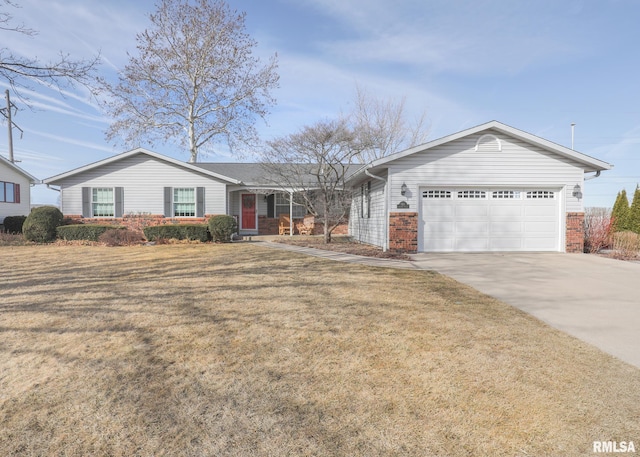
(589,164)
(19,170)
(133,152)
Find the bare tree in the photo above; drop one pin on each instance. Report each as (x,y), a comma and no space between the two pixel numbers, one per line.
(382,126)
(315,163)
(21,72)
(195,78)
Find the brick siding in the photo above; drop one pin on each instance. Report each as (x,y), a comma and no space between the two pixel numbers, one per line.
(403,232)
(575,232)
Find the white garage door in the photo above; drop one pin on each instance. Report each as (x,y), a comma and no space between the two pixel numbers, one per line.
(490,220)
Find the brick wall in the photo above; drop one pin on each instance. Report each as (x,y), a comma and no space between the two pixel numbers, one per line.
(403,232)
(575,233)
(135,221)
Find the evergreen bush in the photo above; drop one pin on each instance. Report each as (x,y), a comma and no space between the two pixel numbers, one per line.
(13,224)
(192,232)
(633,217)
(88,232)
(620,212)
(40,226)
(222,228)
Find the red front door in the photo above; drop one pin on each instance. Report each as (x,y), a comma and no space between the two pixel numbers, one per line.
(248,212)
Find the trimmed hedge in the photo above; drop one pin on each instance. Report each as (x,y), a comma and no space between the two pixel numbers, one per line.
(222,228)
(13,224)
(192,232)
(88,232)
(40,225)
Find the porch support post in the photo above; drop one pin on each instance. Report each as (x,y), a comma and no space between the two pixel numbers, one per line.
(291,213)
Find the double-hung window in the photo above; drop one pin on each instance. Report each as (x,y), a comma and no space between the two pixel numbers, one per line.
(9,192)
(103,202)
(281,206)
(184,202)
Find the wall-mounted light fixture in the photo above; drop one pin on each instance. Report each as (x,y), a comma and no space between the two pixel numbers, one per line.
(403,189)
(577,191)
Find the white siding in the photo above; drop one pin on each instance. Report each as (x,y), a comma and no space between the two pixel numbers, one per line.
(8,174)
(372,229)
(143,179)
(458,164)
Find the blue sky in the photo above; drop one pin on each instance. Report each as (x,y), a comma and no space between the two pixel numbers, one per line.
(537,66)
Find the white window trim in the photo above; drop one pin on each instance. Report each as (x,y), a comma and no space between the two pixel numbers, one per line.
(113,202)
(195,201)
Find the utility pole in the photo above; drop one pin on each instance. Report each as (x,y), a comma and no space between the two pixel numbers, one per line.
(10,124)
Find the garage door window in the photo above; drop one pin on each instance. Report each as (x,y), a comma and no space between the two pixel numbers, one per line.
(540,194)
(472,194)
(436,194)
(509,194)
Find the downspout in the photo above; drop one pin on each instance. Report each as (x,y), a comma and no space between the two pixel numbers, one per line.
(385,238)
(587,178)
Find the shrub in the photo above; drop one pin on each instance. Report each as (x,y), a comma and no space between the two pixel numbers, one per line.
(12,239)
(222,228)
(13,224)
(40,226)
(626,245)
(192,232)
(88,232)
(121,237)
(597,229)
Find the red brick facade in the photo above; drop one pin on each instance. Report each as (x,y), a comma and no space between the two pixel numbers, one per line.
(403,232)
(575,232)
(266,225)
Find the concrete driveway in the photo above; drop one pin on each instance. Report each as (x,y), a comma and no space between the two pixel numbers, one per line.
(590,297)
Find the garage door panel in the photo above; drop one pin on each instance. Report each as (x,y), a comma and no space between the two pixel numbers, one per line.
(506,243)
(506,211)
(468,211)
(471,244)
(486,220)
(535,227)
(509,227)
(472,228)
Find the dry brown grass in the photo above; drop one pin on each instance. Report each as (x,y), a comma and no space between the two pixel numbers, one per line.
(235,350)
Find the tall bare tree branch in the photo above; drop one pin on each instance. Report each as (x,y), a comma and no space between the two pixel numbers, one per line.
(22,72)
(195,78)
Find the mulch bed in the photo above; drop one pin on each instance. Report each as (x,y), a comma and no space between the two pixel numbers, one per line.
(342,244)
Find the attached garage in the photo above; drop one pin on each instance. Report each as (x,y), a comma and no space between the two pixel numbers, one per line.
(485,219)
(488,188)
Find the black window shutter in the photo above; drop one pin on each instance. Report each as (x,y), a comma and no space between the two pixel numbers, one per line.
(86,202)
(200,202)
(271,206)
(119,201)
(167,202)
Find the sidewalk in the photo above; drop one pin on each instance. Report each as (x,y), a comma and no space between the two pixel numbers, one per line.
(342,257)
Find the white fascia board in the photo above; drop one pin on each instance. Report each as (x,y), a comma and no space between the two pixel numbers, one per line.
(593,164)
(12,165)
(124,155)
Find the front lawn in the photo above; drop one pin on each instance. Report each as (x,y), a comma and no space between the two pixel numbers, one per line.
(237,350)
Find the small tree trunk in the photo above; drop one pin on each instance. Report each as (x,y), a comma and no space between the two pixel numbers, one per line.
(325,228)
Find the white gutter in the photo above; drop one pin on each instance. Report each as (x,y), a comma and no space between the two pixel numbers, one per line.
(385,242)
(587,178)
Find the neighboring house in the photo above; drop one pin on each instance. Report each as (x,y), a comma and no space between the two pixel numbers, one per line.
(487,188)
(15,190)
(144,183)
